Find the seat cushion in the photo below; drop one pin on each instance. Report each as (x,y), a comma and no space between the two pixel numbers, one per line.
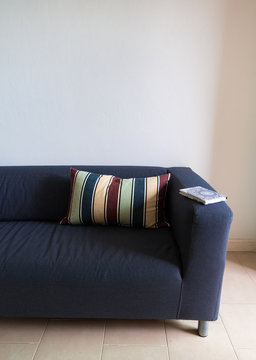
(49,270)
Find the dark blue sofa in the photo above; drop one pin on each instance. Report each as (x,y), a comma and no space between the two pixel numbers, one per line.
(52,270)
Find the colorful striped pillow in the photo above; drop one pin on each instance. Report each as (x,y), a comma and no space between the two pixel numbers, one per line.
(109,200)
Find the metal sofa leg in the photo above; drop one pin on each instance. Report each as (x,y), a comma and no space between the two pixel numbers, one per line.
(203,327)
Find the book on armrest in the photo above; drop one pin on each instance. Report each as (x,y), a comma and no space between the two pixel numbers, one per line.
(203,195)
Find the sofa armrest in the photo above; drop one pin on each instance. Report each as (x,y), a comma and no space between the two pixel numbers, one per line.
(201,233)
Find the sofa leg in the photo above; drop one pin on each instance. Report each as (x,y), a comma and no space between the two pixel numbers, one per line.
(203,327)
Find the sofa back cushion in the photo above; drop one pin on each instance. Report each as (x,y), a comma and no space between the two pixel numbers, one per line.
(42,192)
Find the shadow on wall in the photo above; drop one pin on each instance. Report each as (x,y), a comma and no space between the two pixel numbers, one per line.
(233,169)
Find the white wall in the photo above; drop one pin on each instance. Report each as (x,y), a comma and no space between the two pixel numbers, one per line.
(119,82)
(111,81)
(234,141)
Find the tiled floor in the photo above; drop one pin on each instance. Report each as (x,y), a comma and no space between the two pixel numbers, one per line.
(232,337)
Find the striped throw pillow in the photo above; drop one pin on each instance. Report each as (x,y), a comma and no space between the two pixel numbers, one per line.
(109,200)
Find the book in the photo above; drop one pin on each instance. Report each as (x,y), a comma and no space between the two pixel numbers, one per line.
(203,195)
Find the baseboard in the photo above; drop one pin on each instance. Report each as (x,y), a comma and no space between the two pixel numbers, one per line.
(242,245)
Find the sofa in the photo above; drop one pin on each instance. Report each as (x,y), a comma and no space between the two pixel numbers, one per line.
(66,271)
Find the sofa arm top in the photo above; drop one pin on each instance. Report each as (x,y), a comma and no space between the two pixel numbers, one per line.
(196,227)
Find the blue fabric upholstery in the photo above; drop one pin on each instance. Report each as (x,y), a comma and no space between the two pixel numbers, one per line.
(50,270)
(87,271)
(201,233)
(42,192)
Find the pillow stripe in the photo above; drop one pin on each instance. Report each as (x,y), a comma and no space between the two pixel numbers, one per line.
(162,192)
(65,220)
(99,200)
(71,207)
(112,201)
(93,198)
(125,202)
(106,199)
(150,218)
(138,202)
(79,181)
(132,203)
(119,202)
(145,202)
(87,200)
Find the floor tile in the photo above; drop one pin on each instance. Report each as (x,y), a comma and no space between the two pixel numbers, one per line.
(143,332)
(134,352)
(17,351)
(72,340)
(246,354)
(248,260)
(185,343)
(240,322)
(235,275)
(21,330)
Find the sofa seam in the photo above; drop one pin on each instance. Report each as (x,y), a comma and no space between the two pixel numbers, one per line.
(180,301)
(215,315)
(186,263)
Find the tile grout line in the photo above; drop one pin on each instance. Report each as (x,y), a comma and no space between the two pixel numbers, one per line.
(245,268)
(238,262)
(103,339)
(40,339)
(19,342)
(252,278)
(228,336)
(166,339)
(238,303)
(131,344)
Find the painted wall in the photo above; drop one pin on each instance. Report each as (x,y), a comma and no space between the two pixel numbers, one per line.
(233,160)
(131,82)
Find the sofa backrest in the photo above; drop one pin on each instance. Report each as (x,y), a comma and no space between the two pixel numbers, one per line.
(42,192)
